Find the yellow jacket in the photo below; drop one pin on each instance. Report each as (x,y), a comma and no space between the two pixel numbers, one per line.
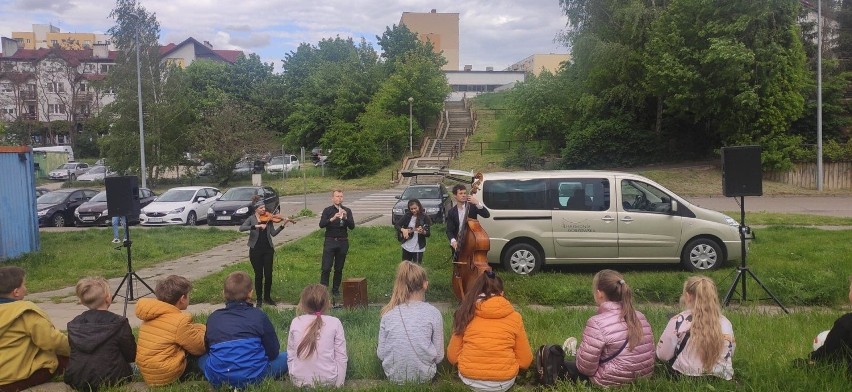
(166,335)
(28,341)
(494,345)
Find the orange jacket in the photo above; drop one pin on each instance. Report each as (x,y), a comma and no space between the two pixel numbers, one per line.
(494,345)
(166,335)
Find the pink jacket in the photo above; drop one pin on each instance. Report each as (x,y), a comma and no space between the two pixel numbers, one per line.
(605,333)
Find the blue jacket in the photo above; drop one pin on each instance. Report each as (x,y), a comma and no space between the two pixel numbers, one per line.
(240,341)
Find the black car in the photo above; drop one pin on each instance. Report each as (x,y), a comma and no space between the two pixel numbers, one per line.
(57,208)
(434,198)
(235,205)
(94,211)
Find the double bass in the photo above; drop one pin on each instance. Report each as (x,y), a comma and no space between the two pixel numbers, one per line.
(471,256)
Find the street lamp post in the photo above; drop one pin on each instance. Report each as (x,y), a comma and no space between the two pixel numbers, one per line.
(139,98)
(410,128)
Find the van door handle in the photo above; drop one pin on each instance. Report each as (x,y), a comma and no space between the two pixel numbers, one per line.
(627,219)
(607,218)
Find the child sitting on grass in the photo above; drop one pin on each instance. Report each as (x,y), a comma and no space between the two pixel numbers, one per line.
(700,340)
(316,346)
(102,344)
(32,350)
(167,338)
(618,345)
(837,347)
(243,346)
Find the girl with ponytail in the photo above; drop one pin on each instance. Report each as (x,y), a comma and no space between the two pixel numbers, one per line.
(700,340)
(411,333)
(316,346)
(618,345)
(489,343)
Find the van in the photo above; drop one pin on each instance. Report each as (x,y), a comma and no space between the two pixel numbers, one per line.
(66,149)
(590,217)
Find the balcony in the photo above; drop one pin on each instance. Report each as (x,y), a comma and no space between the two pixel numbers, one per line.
(28,95)
(29,116)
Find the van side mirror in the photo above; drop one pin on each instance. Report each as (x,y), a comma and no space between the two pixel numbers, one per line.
(674,206)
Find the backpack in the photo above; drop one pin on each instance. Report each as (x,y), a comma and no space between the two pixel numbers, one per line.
(550,364)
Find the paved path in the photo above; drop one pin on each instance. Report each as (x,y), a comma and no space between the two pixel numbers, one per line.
(816,205)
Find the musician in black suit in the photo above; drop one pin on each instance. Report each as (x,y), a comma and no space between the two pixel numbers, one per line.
(466,205)
(337,220)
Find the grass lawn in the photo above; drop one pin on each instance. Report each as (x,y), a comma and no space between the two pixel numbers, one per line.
(90,252)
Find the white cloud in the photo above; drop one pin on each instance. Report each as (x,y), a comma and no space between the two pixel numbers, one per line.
(492,32)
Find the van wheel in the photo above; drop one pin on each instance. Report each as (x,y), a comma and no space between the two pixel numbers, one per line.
(702,254)
(523,259)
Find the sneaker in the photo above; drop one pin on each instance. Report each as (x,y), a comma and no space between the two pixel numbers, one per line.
(115,241)
(570,347)
(269,302)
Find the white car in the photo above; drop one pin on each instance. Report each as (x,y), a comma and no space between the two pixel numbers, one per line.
(96,173)
(280,163)
(180,206)
(68,170)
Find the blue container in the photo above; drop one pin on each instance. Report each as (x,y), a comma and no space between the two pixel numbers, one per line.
(18,219)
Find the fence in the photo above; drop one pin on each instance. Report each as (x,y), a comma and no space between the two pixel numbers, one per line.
(836,175)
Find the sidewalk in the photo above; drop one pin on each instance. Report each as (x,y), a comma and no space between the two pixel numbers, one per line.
(61,305)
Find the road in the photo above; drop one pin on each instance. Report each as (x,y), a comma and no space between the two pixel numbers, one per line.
(840,206)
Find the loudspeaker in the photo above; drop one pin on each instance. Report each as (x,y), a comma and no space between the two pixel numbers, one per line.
(741,171)
(122,196)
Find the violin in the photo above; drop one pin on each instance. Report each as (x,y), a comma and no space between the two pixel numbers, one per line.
(267,217)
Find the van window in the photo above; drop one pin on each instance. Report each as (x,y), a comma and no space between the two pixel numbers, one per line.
(580,194)
(643,197)
(515,194)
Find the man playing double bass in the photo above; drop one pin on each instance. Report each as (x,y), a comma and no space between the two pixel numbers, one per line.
(466,206)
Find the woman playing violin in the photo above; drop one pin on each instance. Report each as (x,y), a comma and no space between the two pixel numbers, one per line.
(261,228)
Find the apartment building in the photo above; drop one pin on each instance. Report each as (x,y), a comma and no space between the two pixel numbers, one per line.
(46,36)
(439,28)
(50,84)
(536,63)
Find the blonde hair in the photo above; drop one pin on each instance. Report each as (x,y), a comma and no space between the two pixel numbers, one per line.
(92,291)
(237,286)
(410,279)
(612,284)
(706,331)
(313,300)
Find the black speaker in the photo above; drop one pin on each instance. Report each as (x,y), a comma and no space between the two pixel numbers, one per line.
(122,196)
(742,174)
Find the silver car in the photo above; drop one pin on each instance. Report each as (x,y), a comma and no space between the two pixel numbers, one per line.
(70,170)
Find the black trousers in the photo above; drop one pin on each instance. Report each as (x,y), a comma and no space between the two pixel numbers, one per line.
(333,255)
(574,373)
(261,262)
(416,257)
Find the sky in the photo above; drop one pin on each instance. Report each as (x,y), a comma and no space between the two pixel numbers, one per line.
(495,33)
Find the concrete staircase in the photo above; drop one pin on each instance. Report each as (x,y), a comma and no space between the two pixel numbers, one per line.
(455,126)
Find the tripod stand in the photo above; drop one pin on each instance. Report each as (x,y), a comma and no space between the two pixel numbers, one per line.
(128,277)
(742,270)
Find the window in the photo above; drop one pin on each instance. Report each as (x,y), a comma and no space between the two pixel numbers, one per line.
(581,194)
(54,42)
(105,68)
(7,111)
(515,194)
(56,108)
(61,139)
(642,197)
(31,87)
(56,87)
(83,87)
(89,68)
(6,87)
(87,43)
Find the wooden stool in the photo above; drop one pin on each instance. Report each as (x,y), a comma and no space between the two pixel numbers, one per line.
(354,292)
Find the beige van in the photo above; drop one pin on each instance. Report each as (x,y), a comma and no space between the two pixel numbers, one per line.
(576,217)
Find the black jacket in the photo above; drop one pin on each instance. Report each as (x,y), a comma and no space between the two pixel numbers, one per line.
(838,343)
(452,218)
(333,228)
(102,348)
(422,220)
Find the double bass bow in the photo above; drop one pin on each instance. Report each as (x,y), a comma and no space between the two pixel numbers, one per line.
(471,256)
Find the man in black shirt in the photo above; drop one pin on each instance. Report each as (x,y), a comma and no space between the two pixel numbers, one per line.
(336,220)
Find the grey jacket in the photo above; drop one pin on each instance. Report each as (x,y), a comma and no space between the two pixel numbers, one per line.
(248,225)
(411,342)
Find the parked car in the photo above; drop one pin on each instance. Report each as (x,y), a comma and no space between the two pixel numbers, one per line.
(180,206)
(434,198)
(70,170)
(235,205)
(582,217)
(94,212)
(280,163)
(243,168)
(57,208)
(96,173)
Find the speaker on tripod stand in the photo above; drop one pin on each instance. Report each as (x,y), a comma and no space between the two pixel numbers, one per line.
(123,201)
(742,176)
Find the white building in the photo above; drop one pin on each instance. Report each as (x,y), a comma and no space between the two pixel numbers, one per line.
(470,83)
